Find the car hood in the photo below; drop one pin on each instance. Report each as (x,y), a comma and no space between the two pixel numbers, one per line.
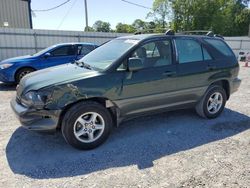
(53,76)
(17,59)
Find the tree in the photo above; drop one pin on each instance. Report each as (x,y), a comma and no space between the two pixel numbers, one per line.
(228,18)
(138,24)
(124,28)
(89,29)
(160,11)
(101,26)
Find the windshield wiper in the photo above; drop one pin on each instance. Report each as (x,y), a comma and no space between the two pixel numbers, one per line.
(82,64)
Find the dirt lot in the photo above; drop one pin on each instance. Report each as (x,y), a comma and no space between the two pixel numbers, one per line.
(174,149)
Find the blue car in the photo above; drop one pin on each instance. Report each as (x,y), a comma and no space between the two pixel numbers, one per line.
(12,70)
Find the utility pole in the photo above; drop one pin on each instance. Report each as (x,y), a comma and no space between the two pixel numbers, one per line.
(86,15)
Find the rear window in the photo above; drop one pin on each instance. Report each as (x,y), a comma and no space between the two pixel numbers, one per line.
(220,46)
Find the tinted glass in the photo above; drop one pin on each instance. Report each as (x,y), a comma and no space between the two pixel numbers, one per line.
(84,49)
(154,54)
(188,50)
(206,54)
(105,55)
(221,46)
(64,51)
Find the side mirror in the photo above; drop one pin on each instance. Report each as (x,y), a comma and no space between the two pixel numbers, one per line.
(134,64)
(47,55)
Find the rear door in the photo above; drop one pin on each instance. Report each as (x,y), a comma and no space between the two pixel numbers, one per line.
(194,63)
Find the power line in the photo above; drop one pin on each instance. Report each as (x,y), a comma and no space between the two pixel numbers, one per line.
(138,5)
(49,9)
(67,13)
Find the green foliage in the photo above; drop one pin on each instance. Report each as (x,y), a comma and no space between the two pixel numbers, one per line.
(227,17)
(89,29)
(124,28)
(160,11)
(101,26)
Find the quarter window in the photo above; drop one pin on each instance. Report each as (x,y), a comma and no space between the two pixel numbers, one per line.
(188,50)
(220,46)
(206,54)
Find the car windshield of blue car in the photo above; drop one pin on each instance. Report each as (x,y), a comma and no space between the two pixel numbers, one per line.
(103,56)
(44,51)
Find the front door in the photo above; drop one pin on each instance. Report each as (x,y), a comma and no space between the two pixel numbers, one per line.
(60,55)
(150,87)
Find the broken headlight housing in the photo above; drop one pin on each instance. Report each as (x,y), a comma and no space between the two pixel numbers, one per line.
(35,99)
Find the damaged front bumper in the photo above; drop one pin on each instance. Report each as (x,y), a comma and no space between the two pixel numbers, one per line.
(36,119)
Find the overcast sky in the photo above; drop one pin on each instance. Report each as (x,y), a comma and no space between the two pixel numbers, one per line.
(71,16)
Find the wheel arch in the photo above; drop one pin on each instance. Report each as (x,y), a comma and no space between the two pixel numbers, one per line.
(20,68)
(105,102)
(225,85)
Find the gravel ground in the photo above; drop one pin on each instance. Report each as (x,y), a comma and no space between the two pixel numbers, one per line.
(174,149)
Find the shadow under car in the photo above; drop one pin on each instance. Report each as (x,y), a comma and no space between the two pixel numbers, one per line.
(136,142)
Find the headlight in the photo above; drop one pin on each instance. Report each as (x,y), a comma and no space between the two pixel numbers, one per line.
(5,66)
(35,99)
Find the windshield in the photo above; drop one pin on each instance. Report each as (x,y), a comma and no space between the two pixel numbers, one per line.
(105,55)
(44,51)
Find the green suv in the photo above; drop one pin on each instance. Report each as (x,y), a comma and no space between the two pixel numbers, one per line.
(128,77)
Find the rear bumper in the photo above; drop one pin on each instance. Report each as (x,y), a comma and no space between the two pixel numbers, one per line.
(235,85)
(36,120)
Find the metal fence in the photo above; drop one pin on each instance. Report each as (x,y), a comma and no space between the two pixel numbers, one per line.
(238,44)
(17,42)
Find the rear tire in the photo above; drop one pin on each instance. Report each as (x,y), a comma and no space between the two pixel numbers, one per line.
(212,103)
(22,72)
(86,125)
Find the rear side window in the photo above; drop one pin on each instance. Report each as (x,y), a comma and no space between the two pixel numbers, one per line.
(84,49)
(220,46)
(188,50)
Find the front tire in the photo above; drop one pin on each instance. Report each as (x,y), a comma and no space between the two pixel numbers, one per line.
(212,103)
(86,125)
(22,72)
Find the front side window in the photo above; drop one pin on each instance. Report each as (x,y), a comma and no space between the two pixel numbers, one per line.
(64,51)
(154,54)
(188,50)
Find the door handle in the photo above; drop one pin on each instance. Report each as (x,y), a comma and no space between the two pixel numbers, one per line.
(169,73)
(211,67)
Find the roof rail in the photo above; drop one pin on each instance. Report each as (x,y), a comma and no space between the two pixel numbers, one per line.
(210,34)
(218,35)
(194,32)
(200,32)
(169,32)
(143,31)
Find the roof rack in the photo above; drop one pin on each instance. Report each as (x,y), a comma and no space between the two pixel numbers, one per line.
(169,32)
(194,32)
(201,32)
(139,32)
